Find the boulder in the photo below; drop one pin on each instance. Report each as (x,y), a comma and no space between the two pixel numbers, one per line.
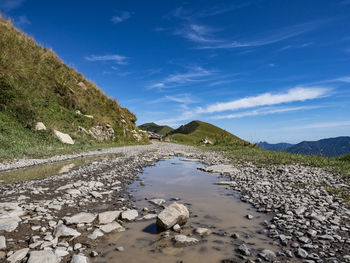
(173,214)
(63,137)
(43,256)
(81,218)
(129,215)
(18,255)
(39,126)
(108,216)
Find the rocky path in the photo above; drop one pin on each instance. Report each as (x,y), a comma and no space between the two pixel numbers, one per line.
(60,218)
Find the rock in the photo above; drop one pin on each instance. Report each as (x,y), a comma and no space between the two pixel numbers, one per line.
(43,256)
(120,249)
(80,218)
(173,214)
(129,215)
(96,234)
(80,258)
(302,253)
(10,216)
(2,242)
(18,255)
(206,141)
(177,228)
(158,202)
(149,216)
(244,250)
(96,194)
(219,168)
(112,226)
(64,231)
(203,231)
(267,255)
(2,255)
(39,126)
(250,217)
(230,183)
(301,210)
(108,217)
(102,133)
(63,137)
(182,240)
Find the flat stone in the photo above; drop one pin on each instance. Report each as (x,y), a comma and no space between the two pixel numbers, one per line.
(80,218)
(2,242)
(149,216)
(64,231)
(129,215)
(96,234)
(174,214)
(302,253)
(244,250)
(108,216)
(267,255)
(158,201)
(43,256)
(80,258)
(63,137)
(10,216)
(203,231)
(111,227)
(18,255)
(182,240)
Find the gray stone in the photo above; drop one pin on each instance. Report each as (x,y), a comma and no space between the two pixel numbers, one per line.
(64,231)
(111,227)
(63,137)
(158,201)
(244,250)
(174,214)
(108,216)
(80,218)
(43,256)
(39,126)
(2,242)
(96,234)
(203,231)
(302,253)
(182,240)
(18,255)
(267,255)
(129,215)
(80,258)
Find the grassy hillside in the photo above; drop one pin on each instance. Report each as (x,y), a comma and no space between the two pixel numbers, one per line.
(35,85)
(194,132)
(153,127)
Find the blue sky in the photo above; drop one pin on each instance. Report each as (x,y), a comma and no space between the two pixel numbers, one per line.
(264,70)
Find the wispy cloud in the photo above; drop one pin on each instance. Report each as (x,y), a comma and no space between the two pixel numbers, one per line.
(344,2)
(180,98)
(120,60)
(263,111)
(21,21)
(194,74)
(8,5)
(121,17)
(198,33)
(320,125)
(267,99)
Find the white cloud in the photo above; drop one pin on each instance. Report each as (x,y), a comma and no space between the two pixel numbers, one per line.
(345,79)
(121,17)
(120,60)
(180,98)
(21,21)
(263,111)
(267,99)
(198,33)
(193,75)
(8,5)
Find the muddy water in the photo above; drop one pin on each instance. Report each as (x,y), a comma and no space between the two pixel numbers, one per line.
(210,206)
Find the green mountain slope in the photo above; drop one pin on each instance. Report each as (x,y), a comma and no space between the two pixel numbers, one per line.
(153,127)
(35,85)
(195,131)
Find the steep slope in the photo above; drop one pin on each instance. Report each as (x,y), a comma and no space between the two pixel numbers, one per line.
(153,127)
(35,85)
(278,147)
(330,147)
(195,131)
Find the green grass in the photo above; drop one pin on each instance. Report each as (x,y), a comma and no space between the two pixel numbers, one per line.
(35,85)
(194,132)
(260,157)
(153,127)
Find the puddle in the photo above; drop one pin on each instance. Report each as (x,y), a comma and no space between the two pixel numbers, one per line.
(210,206)
(46,170)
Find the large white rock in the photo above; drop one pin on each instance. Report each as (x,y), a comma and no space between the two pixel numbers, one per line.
(18,255)
(63,137)
(81,218)
(173,214)
(39,126)
(111,227)
(2,242)
(64,231)
(108,216)
(10,216)
(79,259)
(129,215)
(43,256)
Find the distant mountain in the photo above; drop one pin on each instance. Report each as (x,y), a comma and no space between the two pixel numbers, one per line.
(195,132)
(277,147)
(153,127)
(330,147)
